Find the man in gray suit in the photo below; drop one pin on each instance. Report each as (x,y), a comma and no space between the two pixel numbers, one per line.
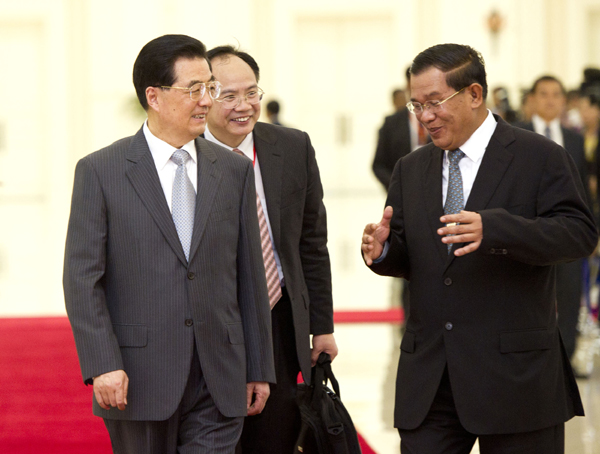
(291,196)
(169,313)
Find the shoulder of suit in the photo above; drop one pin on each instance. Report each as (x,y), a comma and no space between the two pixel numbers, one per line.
(115,149)
(273,133)
(398,116)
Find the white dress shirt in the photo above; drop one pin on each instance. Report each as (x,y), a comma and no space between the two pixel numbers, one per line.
(161,153)
(539,126)
(247,147)
(474,149)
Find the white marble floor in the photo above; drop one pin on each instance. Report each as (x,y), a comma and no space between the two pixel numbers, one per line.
(366,369)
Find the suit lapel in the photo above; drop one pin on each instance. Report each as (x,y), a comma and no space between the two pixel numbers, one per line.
(494,164)
(208,182)
(144,178)
(432,189)
(271,168)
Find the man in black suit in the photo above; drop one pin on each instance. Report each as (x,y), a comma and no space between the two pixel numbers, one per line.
(167,310)
(549,97)
(399,135)
(477,221)
(291,196)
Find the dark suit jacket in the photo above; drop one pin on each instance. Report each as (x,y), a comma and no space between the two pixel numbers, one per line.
(574,146)
(490,316)
(136,304)
(294,194)
(393,143)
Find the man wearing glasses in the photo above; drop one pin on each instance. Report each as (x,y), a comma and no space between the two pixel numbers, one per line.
(477,221)
(170,319)
(294,240)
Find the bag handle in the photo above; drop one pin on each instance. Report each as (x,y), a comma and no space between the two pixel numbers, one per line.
(322,372)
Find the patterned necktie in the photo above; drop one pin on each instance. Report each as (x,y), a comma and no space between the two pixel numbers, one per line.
(273,285)
(454,197)
(184,201)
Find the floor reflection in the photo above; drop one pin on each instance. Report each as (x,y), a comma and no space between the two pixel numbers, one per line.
(366,368)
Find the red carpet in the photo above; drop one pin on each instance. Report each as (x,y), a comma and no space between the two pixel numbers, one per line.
(46,409)
(44,406)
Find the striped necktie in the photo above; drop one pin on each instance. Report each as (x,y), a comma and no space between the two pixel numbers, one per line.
(273,285)
(455,196)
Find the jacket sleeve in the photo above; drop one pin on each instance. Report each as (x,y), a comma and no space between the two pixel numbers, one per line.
(314,254)
(563,228)
(253,298)
(381,166)
(395,263)
(84,274)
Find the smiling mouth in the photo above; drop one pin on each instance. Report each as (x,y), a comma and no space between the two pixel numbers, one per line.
(241,119)
(199,116)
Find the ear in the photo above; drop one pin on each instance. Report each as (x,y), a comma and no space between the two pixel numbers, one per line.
(152,96)
(475,92)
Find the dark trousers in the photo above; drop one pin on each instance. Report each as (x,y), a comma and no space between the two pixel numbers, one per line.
(197,427)
(442,433)
(276,429)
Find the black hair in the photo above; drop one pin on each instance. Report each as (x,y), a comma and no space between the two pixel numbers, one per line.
(154,65)
(462,65)
(548,78)
(225,51)
(273,107)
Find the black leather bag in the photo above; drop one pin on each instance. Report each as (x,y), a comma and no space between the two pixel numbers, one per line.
(326,426)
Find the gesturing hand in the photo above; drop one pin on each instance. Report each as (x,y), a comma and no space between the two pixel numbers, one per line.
(467,228)
(375,235)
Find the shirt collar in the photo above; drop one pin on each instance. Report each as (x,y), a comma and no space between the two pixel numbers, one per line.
(539,124)
(247,145)
(474,147)
(162,151)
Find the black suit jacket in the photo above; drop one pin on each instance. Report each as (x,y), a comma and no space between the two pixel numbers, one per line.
(393,143)
(489,316)
(574,144)
(294,195)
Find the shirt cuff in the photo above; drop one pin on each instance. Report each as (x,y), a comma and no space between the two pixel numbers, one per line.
(386,248)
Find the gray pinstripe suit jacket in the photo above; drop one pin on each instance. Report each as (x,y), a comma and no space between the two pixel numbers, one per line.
(136,304)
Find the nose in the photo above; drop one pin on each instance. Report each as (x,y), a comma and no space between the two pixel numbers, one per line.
(206,100)
(426,116)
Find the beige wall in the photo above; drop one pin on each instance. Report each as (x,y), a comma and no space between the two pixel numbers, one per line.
(65,91)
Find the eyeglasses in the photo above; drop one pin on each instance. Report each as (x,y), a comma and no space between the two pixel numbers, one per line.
(232,101)
(197,91)
(433,106)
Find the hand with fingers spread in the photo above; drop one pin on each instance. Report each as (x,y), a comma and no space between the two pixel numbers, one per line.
(375,236)
(257,394)
(464,227)
(111,388)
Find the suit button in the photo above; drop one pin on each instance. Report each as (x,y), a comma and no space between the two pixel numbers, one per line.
(492,251)
(504,252)
(448,326)
(189,322)
(448,281)
(191,276)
